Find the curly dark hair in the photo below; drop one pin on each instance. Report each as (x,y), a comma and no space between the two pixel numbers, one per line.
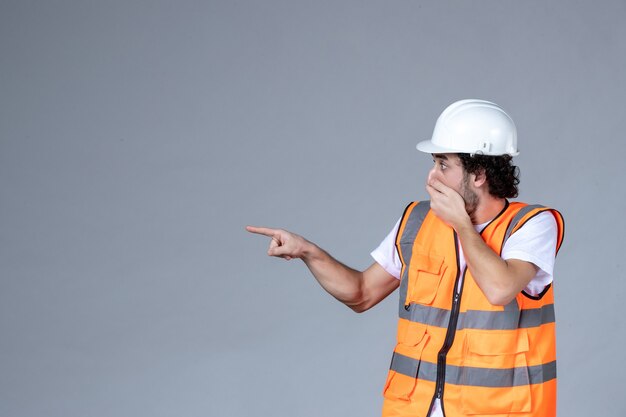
(502,175)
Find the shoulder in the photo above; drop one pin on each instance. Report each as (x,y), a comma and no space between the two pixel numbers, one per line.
(542,223)
(534,217)
(534,228)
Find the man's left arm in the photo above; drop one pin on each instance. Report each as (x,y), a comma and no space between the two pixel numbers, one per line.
(499,279)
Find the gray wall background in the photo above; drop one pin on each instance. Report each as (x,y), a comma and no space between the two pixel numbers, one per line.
(137,139)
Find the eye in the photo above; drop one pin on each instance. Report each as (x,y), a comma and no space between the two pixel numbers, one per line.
(440,163)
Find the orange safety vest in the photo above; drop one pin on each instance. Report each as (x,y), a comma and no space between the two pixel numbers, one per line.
(478,358)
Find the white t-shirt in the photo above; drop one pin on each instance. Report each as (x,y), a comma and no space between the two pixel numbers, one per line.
(534,242)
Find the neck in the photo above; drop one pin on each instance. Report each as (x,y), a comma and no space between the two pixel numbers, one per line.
(487,209)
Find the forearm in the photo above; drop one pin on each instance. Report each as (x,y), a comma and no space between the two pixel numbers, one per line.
(499,280)
(358,290)
(339,280)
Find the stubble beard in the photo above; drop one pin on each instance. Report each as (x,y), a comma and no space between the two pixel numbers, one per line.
(469,196)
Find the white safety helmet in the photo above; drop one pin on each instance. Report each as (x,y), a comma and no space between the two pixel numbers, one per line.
(475,127)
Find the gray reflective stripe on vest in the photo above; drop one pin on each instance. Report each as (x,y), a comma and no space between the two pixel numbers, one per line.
(412,226)
(472,376)
(516,219)
(477,319)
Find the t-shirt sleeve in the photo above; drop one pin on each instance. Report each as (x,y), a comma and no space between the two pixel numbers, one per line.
(535,242)
(386,254)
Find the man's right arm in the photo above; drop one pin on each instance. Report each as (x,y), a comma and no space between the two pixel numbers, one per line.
(359,290)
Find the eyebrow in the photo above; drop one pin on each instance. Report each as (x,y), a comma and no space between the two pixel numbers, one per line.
(440,156)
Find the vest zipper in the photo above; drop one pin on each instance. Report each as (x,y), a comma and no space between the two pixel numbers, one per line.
(450,333)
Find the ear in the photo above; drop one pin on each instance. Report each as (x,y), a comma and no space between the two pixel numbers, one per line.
(480,178)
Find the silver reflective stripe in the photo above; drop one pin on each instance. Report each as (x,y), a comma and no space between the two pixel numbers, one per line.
(535,317)
(410,367)
(472,376)
(489,320)
(492,378)
(431,316)
(512,306)
(476,319)
(516,219)
(412,226)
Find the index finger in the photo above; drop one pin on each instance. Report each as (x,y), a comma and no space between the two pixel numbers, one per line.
(431,187)
(438,186)
(266,231)
(432,191)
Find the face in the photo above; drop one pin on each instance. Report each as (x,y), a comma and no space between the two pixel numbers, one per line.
(449,170)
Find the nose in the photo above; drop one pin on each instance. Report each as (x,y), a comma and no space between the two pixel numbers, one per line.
(432,174)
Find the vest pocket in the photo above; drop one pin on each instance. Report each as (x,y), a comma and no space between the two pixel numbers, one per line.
(425,273)
(494,377)
(405,364)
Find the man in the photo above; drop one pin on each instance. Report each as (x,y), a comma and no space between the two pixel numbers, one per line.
(476,326)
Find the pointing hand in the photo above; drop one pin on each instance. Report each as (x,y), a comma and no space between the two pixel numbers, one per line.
(284,244)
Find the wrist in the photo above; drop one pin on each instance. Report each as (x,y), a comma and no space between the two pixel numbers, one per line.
(464,225)
(310,251)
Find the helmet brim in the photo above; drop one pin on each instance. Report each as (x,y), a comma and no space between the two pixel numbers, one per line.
(428,146)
